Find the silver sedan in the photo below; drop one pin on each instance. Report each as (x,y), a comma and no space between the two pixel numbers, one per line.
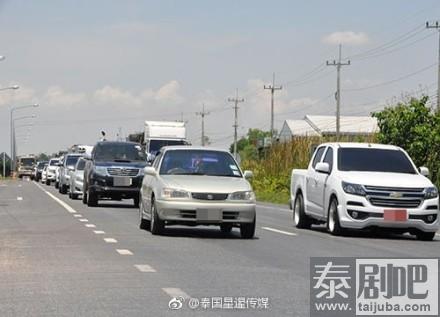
(196,186)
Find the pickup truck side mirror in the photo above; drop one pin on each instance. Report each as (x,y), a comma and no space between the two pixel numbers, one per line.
(323,167)
(149,170)
(424,171)
(248,175)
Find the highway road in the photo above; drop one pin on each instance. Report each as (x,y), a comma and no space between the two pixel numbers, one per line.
(59,257)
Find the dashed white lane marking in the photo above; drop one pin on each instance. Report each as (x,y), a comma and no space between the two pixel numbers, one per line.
(19,185)
(124,252)
(19,198)
(98,232)
(77,216)
(279,231)
(83,220)
(110,240)
(62,203)
(3,185)
(175,292)
(90,225)
(144,268)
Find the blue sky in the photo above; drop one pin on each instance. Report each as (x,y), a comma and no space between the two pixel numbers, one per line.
(96,65)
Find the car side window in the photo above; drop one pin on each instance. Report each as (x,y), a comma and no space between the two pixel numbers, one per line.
(328,158)
(318,156)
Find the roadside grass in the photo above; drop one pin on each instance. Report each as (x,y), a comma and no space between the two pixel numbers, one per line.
(276,198)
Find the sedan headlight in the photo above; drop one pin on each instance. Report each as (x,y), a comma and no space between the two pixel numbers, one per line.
(353,189)
(100,170)
(246,195)
(431,192)
(171,193)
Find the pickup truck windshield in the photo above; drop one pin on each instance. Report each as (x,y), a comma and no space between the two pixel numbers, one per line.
(199,162)
(374,160)
(119,152)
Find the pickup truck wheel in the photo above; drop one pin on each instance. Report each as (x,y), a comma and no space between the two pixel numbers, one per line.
(333,224)
(226,227)
(143,224)
(156,224)
(92,199)
(136,202)
(425,236)
(247,230)
(300,218)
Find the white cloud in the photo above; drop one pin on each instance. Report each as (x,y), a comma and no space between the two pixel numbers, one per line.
(57,96)
(169,93)
(347,37)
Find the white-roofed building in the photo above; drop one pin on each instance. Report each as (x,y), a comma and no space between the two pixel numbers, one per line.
(296,128)
(326,125)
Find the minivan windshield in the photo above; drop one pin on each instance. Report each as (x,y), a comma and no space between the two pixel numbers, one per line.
(199,162)
(374,160)
(119,151)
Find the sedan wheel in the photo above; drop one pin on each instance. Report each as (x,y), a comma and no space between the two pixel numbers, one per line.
(143,224)
(247,230)
(156,225)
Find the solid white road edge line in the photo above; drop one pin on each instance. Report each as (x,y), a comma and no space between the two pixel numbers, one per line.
(279,231)
(62,203)
(175,292)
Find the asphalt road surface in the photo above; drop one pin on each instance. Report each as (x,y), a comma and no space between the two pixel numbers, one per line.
(59,257)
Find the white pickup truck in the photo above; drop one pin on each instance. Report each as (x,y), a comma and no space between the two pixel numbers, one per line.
(364,186)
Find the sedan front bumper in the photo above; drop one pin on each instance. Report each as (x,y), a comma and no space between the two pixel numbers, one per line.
(196,212)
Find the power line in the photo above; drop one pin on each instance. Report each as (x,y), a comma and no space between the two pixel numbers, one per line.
(235,100)
(272,89)
(338,65)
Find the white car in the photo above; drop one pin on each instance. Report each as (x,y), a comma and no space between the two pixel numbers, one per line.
(44,174)
(66,166)
(196,186)
(362,185)
(52,168)
(76,179)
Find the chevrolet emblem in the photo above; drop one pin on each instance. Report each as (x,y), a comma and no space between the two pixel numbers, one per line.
(396,195)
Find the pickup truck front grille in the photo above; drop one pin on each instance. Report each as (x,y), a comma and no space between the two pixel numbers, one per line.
(395,197)
(118,171)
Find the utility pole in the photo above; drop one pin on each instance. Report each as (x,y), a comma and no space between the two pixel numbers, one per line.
(272,89)
(4,164)
(338,65)
(235,100)
(437,27)
(203,113)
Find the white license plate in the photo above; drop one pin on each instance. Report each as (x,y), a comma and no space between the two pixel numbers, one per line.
(208,215)
(122,181)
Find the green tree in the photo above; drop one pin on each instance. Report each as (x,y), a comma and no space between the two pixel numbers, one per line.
(247,146)
(413,126)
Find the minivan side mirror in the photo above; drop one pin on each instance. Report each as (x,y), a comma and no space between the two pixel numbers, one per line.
(149,170)
(323,167)
(424,171)
(248,175)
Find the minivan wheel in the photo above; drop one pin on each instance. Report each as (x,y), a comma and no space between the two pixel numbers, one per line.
(300,219)
(333,224)
(156,224)
(247,230)
(425,236)
(143,223)
(92,199)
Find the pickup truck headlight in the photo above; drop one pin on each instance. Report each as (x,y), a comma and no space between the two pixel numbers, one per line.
(171,193)
(431,192)
(246,195)
(353,189)
(100,170)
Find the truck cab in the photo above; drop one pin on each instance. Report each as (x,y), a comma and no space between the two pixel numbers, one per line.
(26,166)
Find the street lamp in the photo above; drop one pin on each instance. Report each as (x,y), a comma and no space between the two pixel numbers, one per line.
(13,109)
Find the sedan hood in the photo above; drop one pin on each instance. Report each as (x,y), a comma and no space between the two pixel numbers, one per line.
(206,184)
(386,179)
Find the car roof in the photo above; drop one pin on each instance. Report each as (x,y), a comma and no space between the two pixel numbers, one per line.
(361,145)
(192,147)
(116,142)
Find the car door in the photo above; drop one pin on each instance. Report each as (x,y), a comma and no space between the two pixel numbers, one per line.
(321,182)
(148,184)
(312,182)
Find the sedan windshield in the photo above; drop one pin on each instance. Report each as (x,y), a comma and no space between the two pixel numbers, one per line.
(374,160)
(119,151)
(199,162)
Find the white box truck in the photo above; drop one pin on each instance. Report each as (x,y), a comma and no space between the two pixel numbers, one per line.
(162,133)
